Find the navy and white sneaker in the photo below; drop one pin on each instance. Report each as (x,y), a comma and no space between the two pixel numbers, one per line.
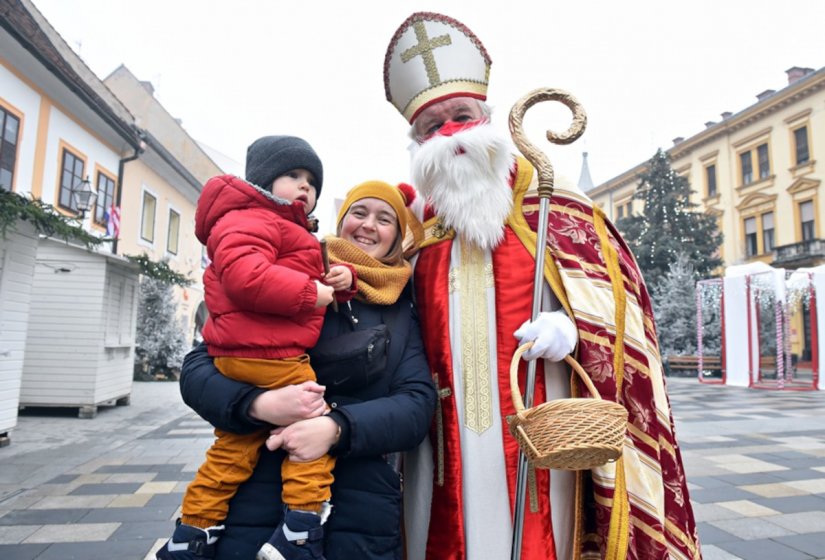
(190,543)
(300,536)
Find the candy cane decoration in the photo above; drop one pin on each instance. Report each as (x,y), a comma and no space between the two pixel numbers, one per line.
(699,329)
(780,362)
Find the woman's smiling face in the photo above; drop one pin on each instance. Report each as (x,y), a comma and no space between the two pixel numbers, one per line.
(371,225)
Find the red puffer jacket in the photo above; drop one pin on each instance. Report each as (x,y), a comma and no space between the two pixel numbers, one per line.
(260,286)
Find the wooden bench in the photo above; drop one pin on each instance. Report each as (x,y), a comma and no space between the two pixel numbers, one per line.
(674,364)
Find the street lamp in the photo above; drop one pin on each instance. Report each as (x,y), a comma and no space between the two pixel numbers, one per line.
(83,196)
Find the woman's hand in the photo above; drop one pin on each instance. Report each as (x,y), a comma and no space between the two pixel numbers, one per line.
(306,440)
(289,404)
(339,278)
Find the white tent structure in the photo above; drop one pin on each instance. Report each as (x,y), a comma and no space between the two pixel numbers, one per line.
(750,291)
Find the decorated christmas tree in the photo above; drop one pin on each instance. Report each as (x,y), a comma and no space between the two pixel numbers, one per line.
(670,224)
(161,340)
(674,304)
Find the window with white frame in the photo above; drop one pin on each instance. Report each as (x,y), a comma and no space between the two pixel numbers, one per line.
(764,161)
(173,232)
(767,232)
(806,220)
(754,164)
(71,175)
(105,198)
(10,128)
(751,241)
(147,222)
(801,152)
(710,179)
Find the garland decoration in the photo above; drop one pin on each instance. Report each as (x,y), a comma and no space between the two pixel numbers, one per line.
(44,217)
(159,270)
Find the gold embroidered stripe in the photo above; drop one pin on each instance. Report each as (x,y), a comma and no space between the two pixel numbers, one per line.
(475,342)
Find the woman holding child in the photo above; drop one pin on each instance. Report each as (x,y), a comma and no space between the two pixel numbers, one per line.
(380,406)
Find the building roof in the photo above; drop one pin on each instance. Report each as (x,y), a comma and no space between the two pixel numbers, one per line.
(22,20)
(803,82)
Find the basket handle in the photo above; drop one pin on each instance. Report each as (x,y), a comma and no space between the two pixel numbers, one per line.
(515,393)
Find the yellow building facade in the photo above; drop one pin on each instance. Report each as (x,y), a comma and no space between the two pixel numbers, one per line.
(759,171)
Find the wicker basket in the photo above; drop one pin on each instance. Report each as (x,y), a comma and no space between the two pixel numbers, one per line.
(568,434)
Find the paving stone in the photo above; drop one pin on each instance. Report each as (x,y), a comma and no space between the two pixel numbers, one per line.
(812,543)
(77,532)
(124,515)
(763,549)
(73,502)
(105,489)
(798,474)
(16,534)
(145,530)
(713,512)
(130,500)
(775,490)
(741,479)
(22,551)
(815,486)
(751,528)
(165,499)
(709,534)
(710,552)
(807,522)
(43,516)
(96,550)
(748,508)
(118,478)
(725,494)
(793,504)
(63,479)
(709,482)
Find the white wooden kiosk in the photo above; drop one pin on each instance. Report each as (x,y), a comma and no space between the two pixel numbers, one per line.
(17,256)
(741,347)
(81,341)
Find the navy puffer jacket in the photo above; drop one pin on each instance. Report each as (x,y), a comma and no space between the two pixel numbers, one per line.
(390,415)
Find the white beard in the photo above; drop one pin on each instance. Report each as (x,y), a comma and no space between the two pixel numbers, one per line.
(469,191)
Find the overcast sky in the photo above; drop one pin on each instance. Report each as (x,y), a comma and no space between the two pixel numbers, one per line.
(646,71)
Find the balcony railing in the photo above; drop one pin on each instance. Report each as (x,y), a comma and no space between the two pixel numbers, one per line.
(804,253)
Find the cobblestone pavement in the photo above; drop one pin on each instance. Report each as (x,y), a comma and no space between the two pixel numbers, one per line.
(110,487)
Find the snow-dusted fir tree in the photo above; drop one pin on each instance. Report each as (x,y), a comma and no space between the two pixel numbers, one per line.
(161,340)
(674,306)
(669,224)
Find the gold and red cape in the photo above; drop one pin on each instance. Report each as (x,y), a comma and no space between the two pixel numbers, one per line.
(635,508)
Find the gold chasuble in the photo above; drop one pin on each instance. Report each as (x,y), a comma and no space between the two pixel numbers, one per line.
(635,508)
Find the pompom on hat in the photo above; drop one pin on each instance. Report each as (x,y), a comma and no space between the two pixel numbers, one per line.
(433,57)
(399,198)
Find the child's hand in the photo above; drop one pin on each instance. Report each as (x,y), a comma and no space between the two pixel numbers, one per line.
(339,277)
(325,294)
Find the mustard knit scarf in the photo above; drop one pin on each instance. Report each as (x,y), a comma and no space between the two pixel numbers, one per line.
(378,283)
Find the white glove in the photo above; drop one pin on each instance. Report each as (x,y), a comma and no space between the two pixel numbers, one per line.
(553,335)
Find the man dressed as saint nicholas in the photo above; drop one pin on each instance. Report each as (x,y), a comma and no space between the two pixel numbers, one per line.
(473,283)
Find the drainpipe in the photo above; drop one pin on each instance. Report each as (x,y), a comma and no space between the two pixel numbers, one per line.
(120,165)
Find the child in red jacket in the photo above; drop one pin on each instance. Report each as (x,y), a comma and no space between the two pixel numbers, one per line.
(266,302)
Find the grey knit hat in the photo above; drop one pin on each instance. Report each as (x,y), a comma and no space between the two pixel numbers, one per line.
(270,157)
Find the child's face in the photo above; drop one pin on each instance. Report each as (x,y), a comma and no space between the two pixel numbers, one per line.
(297,184)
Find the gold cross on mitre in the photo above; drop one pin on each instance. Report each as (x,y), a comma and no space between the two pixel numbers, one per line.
(454,63)
(424,49)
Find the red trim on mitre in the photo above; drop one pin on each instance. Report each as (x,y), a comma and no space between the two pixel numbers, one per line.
(446,534)
(432,102)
